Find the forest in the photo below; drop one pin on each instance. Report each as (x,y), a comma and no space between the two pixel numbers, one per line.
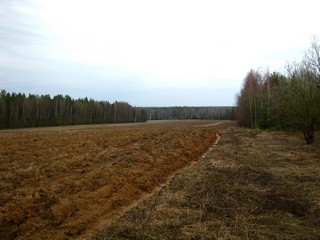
(19,111)
(288,100)
(164,113)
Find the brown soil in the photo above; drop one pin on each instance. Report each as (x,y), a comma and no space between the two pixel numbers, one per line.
(70,182)
(252,185)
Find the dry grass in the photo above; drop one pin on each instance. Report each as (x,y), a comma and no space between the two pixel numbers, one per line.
(252,185)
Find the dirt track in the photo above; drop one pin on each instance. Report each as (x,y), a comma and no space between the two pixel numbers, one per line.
(69,182)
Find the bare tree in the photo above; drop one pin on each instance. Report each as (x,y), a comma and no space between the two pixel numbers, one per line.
(303,99)
(249,100)
(312,56)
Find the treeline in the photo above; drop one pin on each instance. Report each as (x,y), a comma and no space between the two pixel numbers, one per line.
(19,111)
(288,100)
(163,113)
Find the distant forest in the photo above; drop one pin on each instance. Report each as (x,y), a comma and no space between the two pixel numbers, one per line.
(163,113)
(19,111)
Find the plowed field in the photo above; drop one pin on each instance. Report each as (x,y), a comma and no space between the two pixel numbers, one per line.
(70,182)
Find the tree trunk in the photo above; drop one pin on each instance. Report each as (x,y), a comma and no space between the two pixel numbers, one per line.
(309,134)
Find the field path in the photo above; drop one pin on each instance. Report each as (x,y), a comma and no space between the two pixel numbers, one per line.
(103,223)
(70,182)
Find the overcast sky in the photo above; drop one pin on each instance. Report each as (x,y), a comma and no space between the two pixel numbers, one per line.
(149,53)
